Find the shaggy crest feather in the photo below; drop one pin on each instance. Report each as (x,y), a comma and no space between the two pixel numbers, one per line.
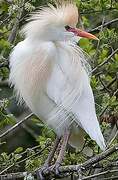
(47,15)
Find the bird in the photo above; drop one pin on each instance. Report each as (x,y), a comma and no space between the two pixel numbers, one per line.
(50,73)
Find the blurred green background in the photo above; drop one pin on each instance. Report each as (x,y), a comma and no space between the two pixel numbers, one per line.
(20,146)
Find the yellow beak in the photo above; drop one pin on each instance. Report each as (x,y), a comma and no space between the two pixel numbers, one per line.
(81,33)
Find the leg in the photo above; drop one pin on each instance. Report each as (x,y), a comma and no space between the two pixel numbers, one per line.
(62,151)
(51,154)
(48,161)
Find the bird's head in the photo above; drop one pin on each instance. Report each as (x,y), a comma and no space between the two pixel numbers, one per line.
(55,23)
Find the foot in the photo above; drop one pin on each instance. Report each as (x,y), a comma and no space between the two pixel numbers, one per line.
(55,168)
(40,173)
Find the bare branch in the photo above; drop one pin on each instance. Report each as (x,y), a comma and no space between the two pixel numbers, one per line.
(87,164)
(13,176)
(104,25)
(13,34)
(71,168)
(105,61)
(111,178)
(19,162)
(104,86)
(100,174)
(4,20)
(5,63)
(110,84)
(9,1)
(97,11)
(15,126)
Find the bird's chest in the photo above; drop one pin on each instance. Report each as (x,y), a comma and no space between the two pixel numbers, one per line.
(36,77)
(64,76)
(43,78)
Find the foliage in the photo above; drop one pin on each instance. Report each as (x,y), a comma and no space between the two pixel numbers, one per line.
(104,80)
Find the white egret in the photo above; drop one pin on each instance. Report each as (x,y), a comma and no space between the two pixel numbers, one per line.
(48,72)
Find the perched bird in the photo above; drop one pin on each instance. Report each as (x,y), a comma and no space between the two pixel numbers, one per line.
(48,71)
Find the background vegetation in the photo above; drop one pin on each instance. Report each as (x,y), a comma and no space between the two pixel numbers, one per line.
(24,141)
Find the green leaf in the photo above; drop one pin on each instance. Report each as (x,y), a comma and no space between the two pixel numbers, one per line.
(116,56)
(18,150)
(4,44)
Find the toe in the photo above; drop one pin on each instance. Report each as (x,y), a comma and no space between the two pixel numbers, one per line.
(40,175)
(55,168)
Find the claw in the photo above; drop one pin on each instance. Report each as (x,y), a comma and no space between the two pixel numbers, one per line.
(39,173)
(55,168)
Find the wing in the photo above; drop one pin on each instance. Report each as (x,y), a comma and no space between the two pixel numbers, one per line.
(69,87)
(84,109)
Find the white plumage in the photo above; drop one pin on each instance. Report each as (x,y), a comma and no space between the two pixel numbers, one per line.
(47,71)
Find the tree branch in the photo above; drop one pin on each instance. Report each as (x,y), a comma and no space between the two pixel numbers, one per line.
(15,126)
(104,86)
(13,176)
(5,63)
(104,25)
(105,61)
(110,84)
(100,174)
(13,34)
(87,164)
(69,169)
(21,161)
(9,1)
(97,11)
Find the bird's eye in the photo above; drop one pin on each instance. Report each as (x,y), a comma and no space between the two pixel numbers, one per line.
(67,27)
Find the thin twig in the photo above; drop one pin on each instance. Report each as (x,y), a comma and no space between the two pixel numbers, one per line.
(15,126)
(5,63)
(111,178)
(14,30)
(100,174)
(9,1)
(104,110)
(110,84)
(98,43)
(105,61)
(104,25)
(13,176)
(71,168)
(106,107)
(87,164)
(116,134)
(19,162)
(13,34)
(104,86)
(98,11)
(4,20)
